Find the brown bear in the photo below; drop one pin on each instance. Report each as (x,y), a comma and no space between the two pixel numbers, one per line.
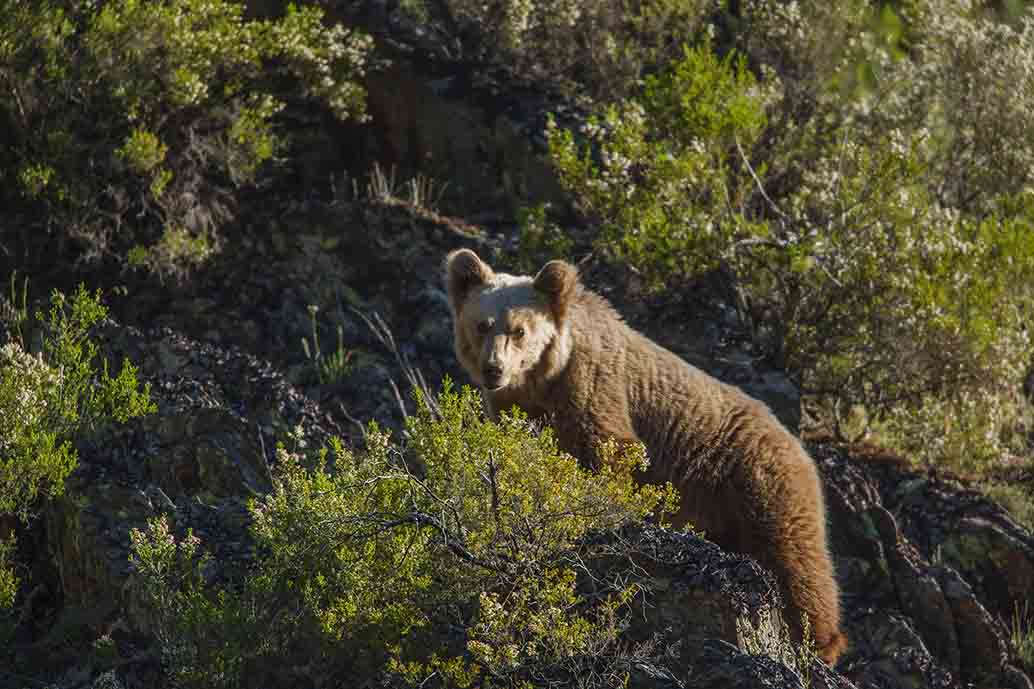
(559,351)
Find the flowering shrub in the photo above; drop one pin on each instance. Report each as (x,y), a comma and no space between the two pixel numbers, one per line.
(373,562)
(874,209)
(171,575)
(31,461)
(131,124)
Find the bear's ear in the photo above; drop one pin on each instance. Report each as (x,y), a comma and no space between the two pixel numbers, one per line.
(463,272)
(557,282)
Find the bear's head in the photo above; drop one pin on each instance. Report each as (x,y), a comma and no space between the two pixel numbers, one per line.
(509,329)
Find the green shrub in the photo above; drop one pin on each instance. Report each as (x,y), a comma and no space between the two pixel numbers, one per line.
(372,562)
(834,194)
(540,240)
(1016,499)
(199,636)
(130,124)
(48,399)
(8,588)
(656,172)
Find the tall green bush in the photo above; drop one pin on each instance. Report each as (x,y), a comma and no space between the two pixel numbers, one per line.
(49,397)
(660,174)
(129,125)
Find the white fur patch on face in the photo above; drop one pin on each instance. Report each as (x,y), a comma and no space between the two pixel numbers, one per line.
(505,332)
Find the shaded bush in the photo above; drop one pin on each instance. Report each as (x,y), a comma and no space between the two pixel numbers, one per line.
(49,397)
(598,48)
(129,125)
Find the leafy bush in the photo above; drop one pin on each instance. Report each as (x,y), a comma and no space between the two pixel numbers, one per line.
(50,397)
(855,196)
(197,634)
(655,173)
(129,125)
(8,588)
(456,554)
(540,239)
(598,48)
(1015,498)
(47,399)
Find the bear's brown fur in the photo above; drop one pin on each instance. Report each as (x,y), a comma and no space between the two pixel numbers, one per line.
(558,350)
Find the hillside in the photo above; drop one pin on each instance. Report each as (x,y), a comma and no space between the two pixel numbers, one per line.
(291,306)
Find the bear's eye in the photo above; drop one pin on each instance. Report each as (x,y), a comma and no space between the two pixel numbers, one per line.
(518,333)
(484,327)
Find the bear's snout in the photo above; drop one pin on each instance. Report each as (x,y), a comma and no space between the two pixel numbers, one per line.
(493,375)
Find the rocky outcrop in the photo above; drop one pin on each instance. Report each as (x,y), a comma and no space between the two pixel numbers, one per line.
(929,568)
(920,614)
(720,612)
(220,414)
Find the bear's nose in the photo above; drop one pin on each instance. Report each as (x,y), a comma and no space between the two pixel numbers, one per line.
(493,374)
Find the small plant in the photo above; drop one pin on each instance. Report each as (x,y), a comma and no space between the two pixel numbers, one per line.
(335,366)
(420,193)
(769,635)
(382,186)
(195,632)
(425,192)
(1022,633)
(14,310)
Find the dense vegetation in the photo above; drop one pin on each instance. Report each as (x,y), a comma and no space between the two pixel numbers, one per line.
(845,175)
(861,174)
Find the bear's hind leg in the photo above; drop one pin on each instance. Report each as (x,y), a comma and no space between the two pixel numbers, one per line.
(784,528)
(804,571)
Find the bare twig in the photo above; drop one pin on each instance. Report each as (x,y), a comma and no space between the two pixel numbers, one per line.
(757,181)
(451,541)
(262,446)
(354,421)
(398,397)
(413,375)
